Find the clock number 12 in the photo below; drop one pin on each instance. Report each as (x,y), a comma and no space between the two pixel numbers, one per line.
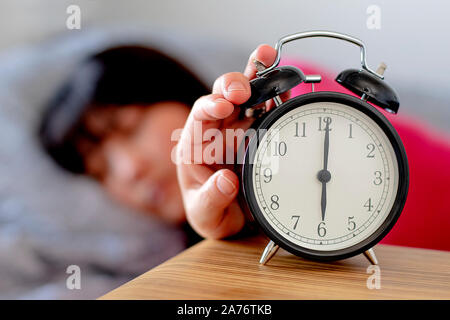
(325,120)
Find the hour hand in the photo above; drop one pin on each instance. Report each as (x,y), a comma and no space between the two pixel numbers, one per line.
(323,201)
(324,176)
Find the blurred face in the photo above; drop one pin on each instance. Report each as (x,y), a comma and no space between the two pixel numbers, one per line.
(132,159)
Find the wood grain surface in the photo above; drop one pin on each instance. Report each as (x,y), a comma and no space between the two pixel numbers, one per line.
(224,269)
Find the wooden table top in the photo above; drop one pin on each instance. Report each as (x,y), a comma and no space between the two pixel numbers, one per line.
(225,269)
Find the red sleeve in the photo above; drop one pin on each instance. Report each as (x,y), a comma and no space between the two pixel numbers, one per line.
(425,220)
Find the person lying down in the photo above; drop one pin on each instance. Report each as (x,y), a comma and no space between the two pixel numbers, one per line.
(87,179)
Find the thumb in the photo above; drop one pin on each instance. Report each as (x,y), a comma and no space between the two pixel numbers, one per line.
(210,212)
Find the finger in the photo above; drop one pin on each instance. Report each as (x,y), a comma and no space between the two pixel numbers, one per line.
(193,176)
(207,207)
(207,113)
(234,87)
(211,107)
(264,54)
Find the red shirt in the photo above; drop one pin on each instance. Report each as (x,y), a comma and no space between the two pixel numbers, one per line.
(425,220)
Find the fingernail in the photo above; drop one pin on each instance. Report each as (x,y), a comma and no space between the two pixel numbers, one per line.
(222,100)
(211,107)
(236,86)
(225,185)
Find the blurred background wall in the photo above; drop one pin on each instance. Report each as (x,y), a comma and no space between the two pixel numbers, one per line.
(411,39)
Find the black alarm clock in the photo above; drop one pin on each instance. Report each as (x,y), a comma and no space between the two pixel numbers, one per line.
(325,174)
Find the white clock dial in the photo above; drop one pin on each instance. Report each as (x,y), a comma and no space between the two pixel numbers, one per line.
(360,188)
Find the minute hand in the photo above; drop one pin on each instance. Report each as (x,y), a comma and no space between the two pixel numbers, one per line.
(324,175)
(326,146)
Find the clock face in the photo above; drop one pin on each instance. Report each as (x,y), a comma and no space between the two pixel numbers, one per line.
(324,177)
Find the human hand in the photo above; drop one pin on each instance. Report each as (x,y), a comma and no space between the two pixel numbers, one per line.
(209,188)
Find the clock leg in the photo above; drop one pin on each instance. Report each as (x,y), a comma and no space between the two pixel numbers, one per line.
(370,255)
(268,253)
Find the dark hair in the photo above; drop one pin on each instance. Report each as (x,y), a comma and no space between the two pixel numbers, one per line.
(118,76)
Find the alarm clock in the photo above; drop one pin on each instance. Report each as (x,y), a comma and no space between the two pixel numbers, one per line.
(324,174)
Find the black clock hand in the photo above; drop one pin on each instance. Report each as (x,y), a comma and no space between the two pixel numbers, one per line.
(326,146)
(324,175)
(323,201)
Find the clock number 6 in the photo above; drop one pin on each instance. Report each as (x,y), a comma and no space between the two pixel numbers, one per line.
(321,231)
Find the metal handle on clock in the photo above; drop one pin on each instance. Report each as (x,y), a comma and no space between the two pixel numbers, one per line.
(312,34)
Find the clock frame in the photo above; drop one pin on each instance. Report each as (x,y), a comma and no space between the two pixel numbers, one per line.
(247,191)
